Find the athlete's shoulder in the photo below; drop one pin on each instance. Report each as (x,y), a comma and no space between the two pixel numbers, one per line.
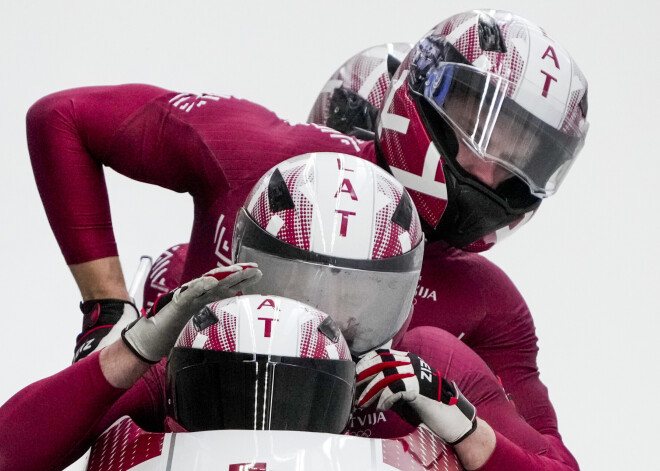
(473,271)
(225,119)
(84,106)
(440,254)
(223,111)
(135,91)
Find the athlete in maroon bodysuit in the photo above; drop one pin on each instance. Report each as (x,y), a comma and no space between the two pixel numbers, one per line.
(216,148)
(214,151)
(461,293)
(212,147)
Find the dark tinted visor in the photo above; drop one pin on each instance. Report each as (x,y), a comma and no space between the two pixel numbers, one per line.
(211,390)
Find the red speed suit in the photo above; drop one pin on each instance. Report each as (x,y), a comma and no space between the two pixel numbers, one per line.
(216,148)
(49,424)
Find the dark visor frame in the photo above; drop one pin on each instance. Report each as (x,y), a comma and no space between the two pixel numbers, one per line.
(214,390)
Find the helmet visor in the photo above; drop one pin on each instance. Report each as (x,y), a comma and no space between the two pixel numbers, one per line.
(212,390)
(478,107)
(368,299)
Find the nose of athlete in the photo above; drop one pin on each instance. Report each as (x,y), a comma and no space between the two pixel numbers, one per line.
(486,171)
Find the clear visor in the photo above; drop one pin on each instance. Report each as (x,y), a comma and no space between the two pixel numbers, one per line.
(369,303)
(498,130)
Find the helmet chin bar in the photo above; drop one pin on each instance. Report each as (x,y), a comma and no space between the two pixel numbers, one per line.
(473,212)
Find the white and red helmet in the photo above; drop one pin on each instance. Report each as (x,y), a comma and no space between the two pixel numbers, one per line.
(262,363)
(350,99)
(165,274)
(338,233)
(499,86)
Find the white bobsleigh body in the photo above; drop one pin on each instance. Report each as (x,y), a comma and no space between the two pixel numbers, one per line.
(125,446)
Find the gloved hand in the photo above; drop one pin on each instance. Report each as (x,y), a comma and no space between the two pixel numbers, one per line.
(151,338)
(418,393)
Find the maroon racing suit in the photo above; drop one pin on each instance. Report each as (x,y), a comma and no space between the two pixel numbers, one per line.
(216,148)
(49,424)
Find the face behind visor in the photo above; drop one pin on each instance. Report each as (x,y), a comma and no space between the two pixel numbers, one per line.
(340,234)
(477,106)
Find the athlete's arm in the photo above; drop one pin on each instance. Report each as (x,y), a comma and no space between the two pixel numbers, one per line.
(516,437)
(487,450)
(418,392)
(45,425)
(62,414)
(120,367)
(68,135)
(506,340)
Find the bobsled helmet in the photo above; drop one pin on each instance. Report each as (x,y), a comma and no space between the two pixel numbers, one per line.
(350,99)
(483,119)
(259,363)
(338,233)
(165,274)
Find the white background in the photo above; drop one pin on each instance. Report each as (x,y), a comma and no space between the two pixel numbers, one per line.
(587,264)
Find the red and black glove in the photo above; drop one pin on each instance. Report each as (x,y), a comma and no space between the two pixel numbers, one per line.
(416,391)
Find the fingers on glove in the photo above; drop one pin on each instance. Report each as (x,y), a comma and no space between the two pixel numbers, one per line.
(195,289)
(377,361)
(247,278)
(387,399)
(247,265)
(388,387)
(216,290)
(388,372)
(220,282)
(223,272)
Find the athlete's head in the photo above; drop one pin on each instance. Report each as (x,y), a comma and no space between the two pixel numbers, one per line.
(351,98)
(483,118)
(260,363)
(338,233)
(165,274)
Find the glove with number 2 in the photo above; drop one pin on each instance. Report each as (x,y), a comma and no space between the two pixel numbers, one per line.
(407,384)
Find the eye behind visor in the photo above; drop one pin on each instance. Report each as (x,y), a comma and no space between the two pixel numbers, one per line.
(478,108)
(514,192)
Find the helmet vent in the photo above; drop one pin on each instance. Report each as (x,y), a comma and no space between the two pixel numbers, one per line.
(204,319)
(392,64)
(329,328)
(490,36)
(403,213)
(279,197)
(583,105)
